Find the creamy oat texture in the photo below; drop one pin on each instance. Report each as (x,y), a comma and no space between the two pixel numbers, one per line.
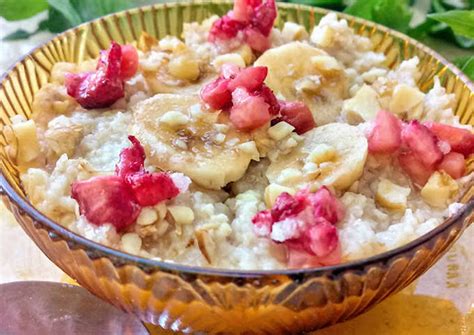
(342,81)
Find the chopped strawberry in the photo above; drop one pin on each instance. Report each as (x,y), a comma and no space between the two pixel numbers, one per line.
(298,115)
(106,199)
(230,71)
(262,223)
(248,112)
(267,94)
(101,88)
(256,40)
(243,10)
(286,205)
(129,65)
(132,159)
(265,15)
(322,238)
(225,28)
(453,164)
(460,140)
(250,78)
(385,137)
(216,94)
(418,172)
(421,141)
(324,204)
(151,188)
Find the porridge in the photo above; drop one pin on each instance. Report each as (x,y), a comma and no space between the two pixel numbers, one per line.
(244,146)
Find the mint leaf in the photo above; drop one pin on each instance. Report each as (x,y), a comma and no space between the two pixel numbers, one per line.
(460,21)
(18,35)
(67,10)
(13,10)
(393,14)
(362,8)
(466,65)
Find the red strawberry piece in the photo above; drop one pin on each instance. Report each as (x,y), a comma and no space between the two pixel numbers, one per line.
(243,10)
(256,40)
(322,238)
(216,94)
(129,65)
(151,188)
(230,71)
(298,115)
(266,93)
(132,159)
(299,259)
(250,78)
(224,28)
(418,172)
(101,88)
(324,204)
(248,112)
(453,164)
(422,142)
(286,206)
(106,199)
(262,223)
(385,136)
(460,140)
(265,15)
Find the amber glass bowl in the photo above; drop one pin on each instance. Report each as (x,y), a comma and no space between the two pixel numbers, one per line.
(193,299)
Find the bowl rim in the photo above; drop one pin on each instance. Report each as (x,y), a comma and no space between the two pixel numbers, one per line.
(149,265)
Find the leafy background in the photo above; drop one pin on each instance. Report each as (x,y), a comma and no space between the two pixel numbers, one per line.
(445,25)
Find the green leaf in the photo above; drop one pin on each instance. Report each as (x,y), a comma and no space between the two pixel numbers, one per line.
(18,35)
(57,23)
(466,65)
(13,10)
(66,8)
(460,21)
(393,14)
(362,8)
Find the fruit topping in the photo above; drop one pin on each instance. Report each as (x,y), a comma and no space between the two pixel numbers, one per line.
(253,18)
(104,86)
(304,223)
(118,199)
(421,141)
(106,199)
(460,140)
(298,115)
(385,137)
(248,111)
(453,164)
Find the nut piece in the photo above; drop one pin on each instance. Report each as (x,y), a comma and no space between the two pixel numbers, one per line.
(272,192)
(323,36)
(391,196)
(439,189)
(182,215)
(326,63)
(294,32)
(231,58)
(250,148)
(363,106)
(147,216)
(131,243)
(322,153)
(280,130)
(161,210)
(174,119)
(171,43)
(404,99)
(28,144)
(184,67)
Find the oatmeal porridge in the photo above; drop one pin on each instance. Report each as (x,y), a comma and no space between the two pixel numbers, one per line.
(244,146)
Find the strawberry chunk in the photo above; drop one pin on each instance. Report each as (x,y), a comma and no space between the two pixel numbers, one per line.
(460,140)
(286,206)
(421,141)
(298,115)
(129,64)
(262,223)
(418,172)
(250,78)
(256,40)
(248,112)
(216,94)
(106,199)
(131,160)
(101,88)
(243,9)
(385,136)
(266,93)
(265,15)
(229,71)
(453,164)
(321,238)
(151,188)
(324,205)
(225,28)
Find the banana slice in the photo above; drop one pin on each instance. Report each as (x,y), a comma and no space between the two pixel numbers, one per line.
(340,169)
(298,71)
(180,135)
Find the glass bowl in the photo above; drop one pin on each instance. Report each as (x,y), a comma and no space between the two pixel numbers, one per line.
(192,299)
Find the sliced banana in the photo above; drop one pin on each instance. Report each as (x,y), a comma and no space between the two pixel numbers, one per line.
(198,148)
(340,170)
(298,71)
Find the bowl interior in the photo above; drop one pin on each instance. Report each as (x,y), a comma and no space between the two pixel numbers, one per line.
(20,83)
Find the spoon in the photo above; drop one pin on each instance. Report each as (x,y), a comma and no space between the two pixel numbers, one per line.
(36,307)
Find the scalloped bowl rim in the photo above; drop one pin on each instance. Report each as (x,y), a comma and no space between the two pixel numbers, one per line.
(148,264)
